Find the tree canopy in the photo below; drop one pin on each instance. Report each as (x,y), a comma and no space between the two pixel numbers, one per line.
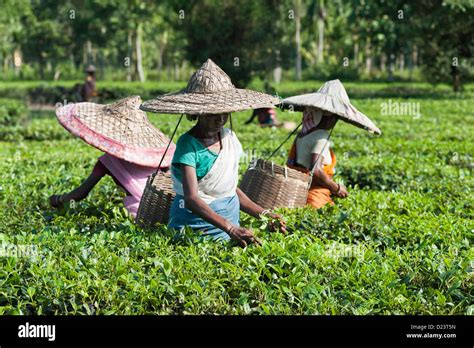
(141,39)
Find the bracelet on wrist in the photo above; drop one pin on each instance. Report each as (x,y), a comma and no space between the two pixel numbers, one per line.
(264,212)
(229,227)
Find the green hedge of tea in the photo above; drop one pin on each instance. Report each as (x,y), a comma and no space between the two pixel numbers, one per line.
(401,243)
(12,112)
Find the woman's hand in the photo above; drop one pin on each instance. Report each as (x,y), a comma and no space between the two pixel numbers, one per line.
(242,236)
(342,192)
(253,209)
(276,223)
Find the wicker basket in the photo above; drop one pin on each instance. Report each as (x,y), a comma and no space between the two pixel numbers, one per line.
(156,201)
(273,186)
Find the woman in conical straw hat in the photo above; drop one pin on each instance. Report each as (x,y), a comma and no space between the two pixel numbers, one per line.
(311,151)
(133,147)
(205,164)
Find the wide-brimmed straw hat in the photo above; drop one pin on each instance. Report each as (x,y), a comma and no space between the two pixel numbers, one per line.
(209,91)
(120,129)
(332,97)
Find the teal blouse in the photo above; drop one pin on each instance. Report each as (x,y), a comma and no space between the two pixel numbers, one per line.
(192,152)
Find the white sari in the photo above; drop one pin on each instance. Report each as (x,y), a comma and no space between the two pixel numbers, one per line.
(221,180)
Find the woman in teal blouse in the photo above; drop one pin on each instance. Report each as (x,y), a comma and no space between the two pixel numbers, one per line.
(206,160)
(205,171)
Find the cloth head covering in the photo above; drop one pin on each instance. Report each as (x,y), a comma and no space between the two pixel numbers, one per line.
(311,118)
(332,97)
(209,91)
(90,68)
(120,129)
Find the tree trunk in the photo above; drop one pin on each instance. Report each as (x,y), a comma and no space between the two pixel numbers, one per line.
(321,15)
(277,74)
(159,58)
(138,53)
(383,62)
(89,52)
(17,61)
(184,70)
(84,55)
(356,54)
(412,61)
(415,56)
(402,62)
(130,52)
(49,66)
(168,71)
(94,55)
(368,57)
(456,78)
(161,44)
(390,66)
(71,61)
(176,72)
(41,69)
(298,40)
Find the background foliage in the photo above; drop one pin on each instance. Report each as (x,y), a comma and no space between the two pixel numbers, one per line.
(139,40)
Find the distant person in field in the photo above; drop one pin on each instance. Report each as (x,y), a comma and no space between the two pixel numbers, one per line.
(89,89)
(266,117)
(311,151)
(133,147)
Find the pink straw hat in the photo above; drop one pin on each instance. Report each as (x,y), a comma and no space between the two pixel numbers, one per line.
(120,129)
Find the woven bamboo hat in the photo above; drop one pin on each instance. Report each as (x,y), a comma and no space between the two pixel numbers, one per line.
(332,97)
(120,129)
(209,91)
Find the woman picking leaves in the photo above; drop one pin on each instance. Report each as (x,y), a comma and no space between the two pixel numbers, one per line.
(205,164)
(311,152)
(132,146)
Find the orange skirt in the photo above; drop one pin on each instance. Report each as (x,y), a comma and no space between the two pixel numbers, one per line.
(319,196)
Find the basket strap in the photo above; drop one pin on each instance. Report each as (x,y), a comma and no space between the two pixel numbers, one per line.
(320,154)
(284,141)
(167,147)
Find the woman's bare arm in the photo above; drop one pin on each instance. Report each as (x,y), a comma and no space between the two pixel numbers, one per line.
(248,206)
(324,180)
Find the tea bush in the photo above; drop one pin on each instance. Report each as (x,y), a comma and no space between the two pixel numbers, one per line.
(12,112)
(401,243)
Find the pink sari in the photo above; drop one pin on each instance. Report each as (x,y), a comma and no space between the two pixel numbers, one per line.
(132,177)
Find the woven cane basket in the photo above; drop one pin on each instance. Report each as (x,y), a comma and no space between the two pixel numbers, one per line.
(156,201)
(273,186)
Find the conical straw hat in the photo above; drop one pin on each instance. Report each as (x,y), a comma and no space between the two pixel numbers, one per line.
(209,91)
(120,129)
(332,97)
